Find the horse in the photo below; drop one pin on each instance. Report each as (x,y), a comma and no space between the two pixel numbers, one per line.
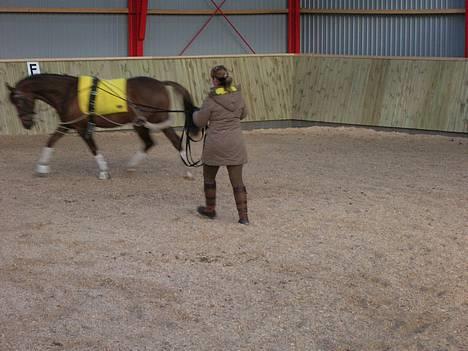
(148,107)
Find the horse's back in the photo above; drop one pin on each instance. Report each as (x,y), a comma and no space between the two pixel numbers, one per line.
(148,91)
(145,82)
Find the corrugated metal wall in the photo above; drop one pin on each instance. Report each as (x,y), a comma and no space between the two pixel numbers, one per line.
(206,4)
(264,33)
(96,35)
(64,3)
(382,4)
(383,35)
(62,35)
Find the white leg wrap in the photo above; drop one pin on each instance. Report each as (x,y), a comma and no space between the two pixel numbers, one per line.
(136,159)
(42,167)
(102,164)
(187,173)
(45,156)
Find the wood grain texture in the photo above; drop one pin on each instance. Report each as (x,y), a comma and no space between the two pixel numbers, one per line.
(266,83)
(425,94)
(385,92)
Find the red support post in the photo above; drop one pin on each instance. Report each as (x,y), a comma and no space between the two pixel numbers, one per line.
(294,26)
(137,13)
(142,11)
(466,28)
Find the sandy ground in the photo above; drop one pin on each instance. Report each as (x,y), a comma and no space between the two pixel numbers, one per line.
(358,241)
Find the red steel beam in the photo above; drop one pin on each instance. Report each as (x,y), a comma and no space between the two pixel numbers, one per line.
(142,12)
(466,28)
(294,26)
(137,12)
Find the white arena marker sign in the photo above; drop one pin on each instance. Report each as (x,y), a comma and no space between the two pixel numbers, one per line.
(33,68)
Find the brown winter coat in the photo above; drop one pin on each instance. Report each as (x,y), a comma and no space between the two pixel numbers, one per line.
(224,144)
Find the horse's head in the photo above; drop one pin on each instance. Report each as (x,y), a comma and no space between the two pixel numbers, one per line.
(24,104)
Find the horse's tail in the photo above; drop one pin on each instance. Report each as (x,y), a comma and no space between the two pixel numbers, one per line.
(189,106)
(181,90)
(190,128)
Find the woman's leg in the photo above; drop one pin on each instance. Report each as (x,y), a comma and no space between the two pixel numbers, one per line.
(240,192)
(209,186)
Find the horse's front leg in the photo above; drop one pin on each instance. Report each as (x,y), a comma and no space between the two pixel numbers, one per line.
(42,167)
(101,162)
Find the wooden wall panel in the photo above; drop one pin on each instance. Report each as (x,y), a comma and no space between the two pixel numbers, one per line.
(400,93)
(266,82)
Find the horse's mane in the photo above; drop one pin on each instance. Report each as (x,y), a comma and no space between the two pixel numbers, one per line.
(49,75)
(40,77)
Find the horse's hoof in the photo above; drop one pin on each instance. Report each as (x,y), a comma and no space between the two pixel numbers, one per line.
(104,175)
(42,170)
(188,175)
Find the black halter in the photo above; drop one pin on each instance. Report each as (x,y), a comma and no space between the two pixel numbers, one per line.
(17,96)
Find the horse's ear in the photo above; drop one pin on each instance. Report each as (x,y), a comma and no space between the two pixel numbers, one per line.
(10,88)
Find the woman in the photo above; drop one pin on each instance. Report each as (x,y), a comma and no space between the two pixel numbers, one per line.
(222,112)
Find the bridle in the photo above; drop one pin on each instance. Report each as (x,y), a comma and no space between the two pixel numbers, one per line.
(21,100)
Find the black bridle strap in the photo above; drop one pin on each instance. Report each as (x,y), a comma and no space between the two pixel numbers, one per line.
(19,96)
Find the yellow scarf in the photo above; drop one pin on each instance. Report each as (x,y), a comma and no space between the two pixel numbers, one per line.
(223,91)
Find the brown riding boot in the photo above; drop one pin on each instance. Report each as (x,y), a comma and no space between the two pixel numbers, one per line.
(240,194)
(210,197)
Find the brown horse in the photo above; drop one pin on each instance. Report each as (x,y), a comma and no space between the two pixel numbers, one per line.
(148,110)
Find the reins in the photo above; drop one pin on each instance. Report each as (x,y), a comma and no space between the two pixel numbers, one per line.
(184,146)
(149,107)
(188,147)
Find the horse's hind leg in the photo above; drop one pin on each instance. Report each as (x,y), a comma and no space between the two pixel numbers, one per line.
(42,167)
(140,155)
(173,137)
(101,162)
(176,141)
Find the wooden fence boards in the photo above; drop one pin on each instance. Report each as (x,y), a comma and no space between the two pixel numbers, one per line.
(266,82)
(414,93)
(399,93)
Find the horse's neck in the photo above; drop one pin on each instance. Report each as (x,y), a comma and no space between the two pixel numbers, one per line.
(52,91)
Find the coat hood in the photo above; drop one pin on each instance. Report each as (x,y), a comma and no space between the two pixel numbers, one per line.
(230,98)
